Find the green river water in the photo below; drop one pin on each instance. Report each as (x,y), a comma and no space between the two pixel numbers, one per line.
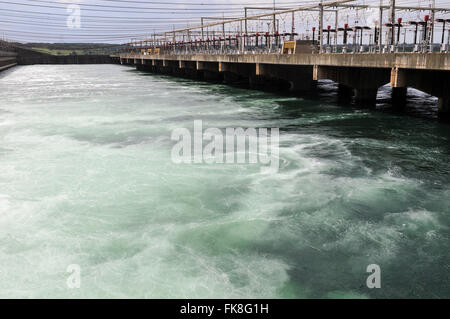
(86,178)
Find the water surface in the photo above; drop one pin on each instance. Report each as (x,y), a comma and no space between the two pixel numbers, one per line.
(86,178)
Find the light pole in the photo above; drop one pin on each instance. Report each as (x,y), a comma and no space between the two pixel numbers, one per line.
(321,27)
(432,25)
(392,18)
(380,36)
(274,20)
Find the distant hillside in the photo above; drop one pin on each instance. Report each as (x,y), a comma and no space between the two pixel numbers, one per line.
(72,48)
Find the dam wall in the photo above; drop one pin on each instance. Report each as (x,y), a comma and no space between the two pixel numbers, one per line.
(359,76)
(7,60)
(29,57)
(22,56)
(7,54)
(66,59)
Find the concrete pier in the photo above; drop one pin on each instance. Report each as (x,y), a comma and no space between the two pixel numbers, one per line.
(366,96)
(358,75)
(444,109)
(364,84)
(7,60)
(300,78)
(399,98)
(345,93)
(433,82)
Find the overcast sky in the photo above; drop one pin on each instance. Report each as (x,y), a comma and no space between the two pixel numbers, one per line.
(117,21)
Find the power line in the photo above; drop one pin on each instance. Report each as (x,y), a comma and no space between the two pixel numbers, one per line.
(96,17)
(44,23)
(141,10)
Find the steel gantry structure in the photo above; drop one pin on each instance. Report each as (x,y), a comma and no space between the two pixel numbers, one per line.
(243,40)
(264,56)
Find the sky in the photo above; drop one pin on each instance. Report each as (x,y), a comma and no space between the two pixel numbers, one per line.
(119,21)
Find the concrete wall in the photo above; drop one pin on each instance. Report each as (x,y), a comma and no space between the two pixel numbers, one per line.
(28,57)
(69,59)
(436,83)
(7,62)
(424,61)
(364,81)
(7,54)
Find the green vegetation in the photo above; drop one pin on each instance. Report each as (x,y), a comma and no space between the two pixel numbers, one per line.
(59,52)
(72,48)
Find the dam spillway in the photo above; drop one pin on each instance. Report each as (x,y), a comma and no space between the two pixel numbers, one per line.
(358,74)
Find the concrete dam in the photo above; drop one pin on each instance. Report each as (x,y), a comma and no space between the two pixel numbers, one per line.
(358,75)
(7,60)
(22,56)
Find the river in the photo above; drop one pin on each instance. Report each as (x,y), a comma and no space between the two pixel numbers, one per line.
(87,179)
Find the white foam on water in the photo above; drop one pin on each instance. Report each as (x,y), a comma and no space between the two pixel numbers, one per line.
(87,179)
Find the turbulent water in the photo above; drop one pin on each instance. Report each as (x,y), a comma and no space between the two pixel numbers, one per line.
(86,178)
